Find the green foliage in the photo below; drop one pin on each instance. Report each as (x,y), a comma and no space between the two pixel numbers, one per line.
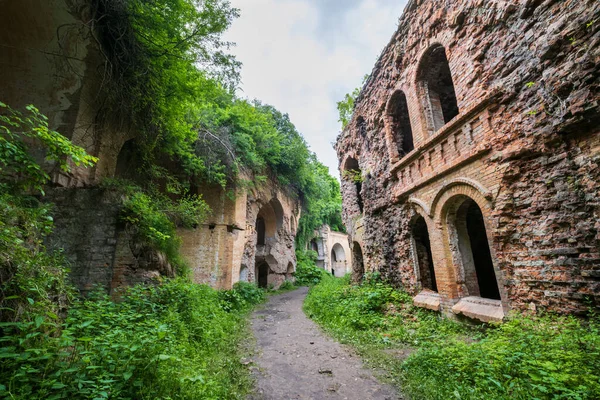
(353,175)
(242,297)
(307,272)
(153,217)
(547,357)
(346,106)
(286,286)
(171,341)
(322,204)
(177,80)
(32,279)
(20,135)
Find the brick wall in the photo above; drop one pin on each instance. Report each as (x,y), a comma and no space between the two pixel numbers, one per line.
(524,146)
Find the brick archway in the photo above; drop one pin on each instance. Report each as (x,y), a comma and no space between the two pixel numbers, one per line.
(456,249)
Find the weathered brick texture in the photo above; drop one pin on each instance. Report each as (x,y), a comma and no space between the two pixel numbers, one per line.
(524,147)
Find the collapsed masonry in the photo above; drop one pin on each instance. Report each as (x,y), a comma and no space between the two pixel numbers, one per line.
(471,167)
(50,58)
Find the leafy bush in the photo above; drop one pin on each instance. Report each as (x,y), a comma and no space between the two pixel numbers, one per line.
(307,272)
(547,357)
(171,341)
(287,285)
(242,296)
(19,135)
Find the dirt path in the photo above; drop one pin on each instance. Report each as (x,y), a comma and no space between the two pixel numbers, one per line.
(297,361)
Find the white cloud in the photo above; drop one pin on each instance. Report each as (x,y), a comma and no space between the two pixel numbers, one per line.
(301,57)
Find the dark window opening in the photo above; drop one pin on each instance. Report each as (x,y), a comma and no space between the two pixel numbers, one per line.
(482,258)
(263,275)
(314,246)
(353,174)
(127,161)
(358,266)
(362,126)
(437,88)
(423,254)
(400,123)
(260,231)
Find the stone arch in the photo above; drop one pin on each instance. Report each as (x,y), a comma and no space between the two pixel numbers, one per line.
(358,265)
(338,259)
(269,220)
(352,173)
(289,273)
(463,218)
(398,124)
(278,210)
(421,253)
(466,186)
(420,204)
(435,88)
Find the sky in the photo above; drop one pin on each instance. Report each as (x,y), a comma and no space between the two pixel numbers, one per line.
(302,56)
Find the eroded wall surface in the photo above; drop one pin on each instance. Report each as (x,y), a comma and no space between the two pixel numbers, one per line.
(225,249)
(524,146)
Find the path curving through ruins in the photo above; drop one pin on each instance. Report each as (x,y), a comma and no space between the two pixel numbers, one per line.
(295,360)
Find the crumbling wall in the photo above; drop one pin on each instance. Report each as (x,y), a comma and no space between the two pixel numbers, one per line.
(524,146)
(224,249)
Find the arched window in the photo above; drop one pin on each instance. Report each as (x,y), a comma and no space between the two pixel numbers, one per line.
(436,88)
(260,231)
(467,229)
(423,257)
(397,113)
(353,176)
(358,266)
(314,246)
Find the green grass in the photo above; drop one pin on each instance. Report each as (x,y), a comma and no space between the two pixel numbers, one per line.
(430,357)
(175,341)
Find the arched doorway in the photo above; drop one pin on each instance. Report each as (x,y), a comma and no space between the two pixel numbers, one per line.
(468,238)
(262,274)
(358,266)
(338,260)
(422,254)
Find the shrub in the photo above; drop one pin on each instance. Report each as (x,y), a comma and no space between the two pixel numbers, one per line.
(171,341)
(242,296)
(542,357)
(307,272)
